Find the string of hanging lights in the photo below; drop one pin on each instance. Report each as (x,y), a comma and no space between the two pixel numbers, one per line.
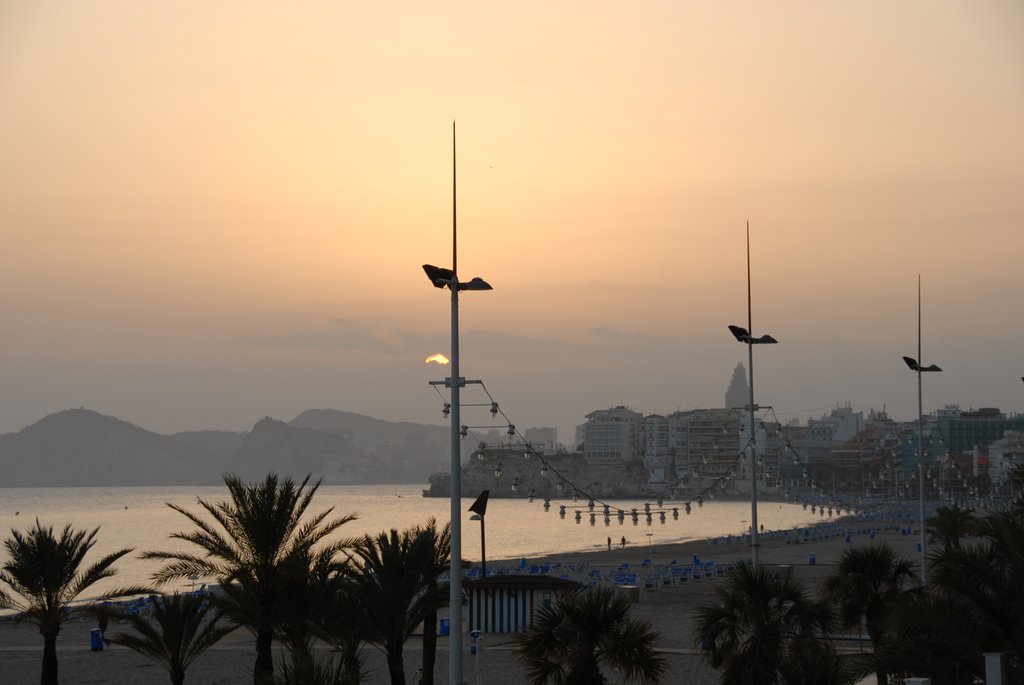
(572,498)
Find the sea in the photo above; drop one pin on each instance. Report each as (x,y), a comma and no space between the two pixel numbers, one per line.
(139,518)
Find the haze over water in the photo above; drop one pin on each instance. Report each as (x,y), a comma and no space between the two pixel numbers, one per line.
(138,517)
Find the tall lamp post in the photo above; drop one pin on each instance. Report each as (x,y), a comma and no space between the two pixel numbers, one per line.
(479,509)
(448,278)
(916,366)
(745,336)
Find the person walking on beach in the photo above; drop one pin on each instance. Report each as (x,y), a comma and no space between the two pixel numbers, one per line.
(609,543)
(623,542)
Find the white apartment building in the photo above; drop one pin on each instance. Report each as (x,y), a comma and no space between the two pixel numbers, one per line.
(613,436)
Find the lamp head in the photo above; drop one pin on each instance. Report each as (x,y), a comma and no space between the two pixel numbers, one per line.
(476,283)
(914,366)
(440,277)
(743,335)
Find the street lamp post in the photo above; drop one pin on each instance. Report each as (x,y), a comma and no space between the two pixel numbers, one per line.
(745,335)
(479,509)
(917,366)
(448,278)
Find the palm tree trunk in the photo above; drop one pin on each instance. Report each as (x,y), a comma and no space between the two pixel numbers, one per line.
(49,673)
(875,635)
(396,665)
(177,676)
(429,648)
(263,672)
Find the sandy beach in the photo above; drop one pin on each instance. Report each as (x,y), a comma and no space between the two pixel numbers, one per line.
(669,607)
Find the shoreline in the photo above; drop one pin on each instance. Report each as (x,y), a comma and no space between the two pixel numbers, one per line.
(668,607)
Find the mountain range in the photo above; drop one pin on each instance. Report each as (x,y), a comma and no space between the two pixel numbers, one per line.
(80,447)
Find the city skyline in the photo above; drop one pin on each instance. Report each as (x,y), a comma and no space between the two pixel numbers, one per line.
(214,214)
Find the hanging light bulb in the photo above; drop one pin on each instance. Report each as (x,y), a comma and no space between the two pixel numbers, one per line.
(647,507)
(543,469)
(661,516)
(593,519)
(558,485)
(494,408)
(607,520)
(607,510)
(497,470)
(621,516)
(661,501)
(579,517)
(650,519)
(530,496)
(590,504)
(446,409)
(675,513)
(561,511)
(547,503)
(511,430)
(464,430)
(687,508)
(528,451)
(515,484)
(700,501)
(575,496)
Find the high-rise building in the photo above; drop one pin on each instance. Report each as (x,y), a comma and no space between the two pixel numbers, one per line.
(738,394)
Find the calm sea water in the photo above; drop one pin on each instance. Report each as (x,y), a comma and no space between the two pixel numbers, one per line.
(138,517)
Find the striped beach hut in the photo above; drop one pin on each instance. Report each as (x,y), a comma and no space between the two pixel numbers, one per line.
(506,604)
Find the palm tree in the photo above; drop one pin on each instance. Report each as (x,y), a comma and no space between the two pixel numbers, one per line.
(255,543)
(303,667)
(865,583)
(974,603)
(756,618)
(391,592)
(570,639)
(181,630)
(925,637)
(986,579)
(319,605)
(951,524)
(438,563)
(814,662)
(45,573)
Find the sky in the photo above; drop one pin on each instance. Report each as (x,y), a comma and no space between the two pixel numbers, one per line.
(215,212)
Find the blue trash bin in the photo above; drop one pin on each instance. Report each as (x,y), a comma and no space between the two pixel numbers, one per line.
(445,627)
(96,639)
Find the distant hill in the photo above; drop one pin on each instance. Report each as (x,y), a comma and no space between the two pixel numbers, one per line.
(410,452)
(80,447)
(83,447)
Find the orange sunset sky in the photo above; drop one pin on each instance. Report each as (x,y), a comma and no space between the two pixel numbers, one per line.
(213,212)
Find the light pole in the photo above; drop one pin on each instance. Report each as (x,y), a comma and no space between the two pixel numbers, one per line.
(448,278)
(479,509)
(915,365)
(745,336)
